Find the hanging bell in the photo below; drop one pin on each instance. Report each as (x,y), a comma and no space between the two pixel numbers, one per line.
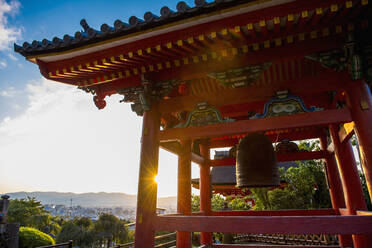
(256,164)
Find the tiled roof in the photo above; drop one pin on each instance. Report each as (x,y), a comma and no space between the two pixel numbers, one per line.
(90,35)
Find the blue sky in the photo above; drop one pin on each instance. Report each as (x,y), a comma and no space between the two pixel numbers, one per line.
(51,136)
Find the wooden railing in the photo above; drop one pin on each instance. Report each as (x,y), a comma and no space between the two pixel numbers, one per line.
(294,239)
(67,244)
(158,240)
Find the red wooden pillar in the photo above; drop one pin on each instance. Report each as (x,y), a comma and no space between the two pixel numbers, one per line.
(335,188)
(360,102)
(184,190)
(354,198)
(147,187)
(205,190)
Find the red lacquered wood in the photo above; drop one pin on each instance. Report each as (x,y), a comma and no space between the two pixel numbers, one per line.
(344,211)
(256,125)
(197,159)
(360,102)
(296,212)
(353,193)
(335,187)
(288,134)
(298,156)
(364,212)
(352,187)
(147,188)
(270,246)
(268,224)
(184,190)
(327,81)
(333,176)
(205,190)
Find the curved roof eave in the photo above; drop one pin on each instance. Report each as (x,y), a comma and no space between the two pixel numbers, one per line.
(95,46)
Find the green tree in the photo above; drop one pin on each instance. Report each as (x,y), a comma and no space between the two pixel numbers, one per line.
(22,211)
(261,198)
(110,228)
(195,203)
(306,189)
(82,236)
(365,191)
(238,203)
(217,201)
(30,237)
(31,213)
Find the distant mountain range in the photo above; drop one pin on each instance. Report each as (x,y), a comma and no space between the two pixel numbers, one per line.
(101,199)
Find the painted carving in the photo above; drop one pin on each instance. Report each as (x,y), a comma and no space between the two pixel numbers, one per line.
(284,104)
(240,77)
(353,57)
(203,115)
(142,96)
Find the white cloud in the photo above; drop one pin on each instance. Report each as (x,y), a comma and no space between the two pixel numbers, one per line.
(12,57)
(63,142)
(10,92)
(8,34)
(3,64)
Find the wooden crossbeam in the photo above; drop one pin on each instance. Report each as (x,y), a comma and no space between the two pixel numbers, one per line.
(321,83)
(296,156)
(174,147)
(266,246)
(267,224)
(320,118)
(346,131)
(276,137)
(296,212)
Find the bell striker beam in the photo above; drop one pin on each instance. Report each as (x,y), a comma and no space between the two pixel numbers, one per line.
(354,198)
(360,101)
(335,187)
(147,187)
(205,190)
(184,190)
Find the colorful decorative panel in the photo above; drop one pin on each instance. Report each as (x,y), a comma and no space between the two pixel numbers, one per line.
(203,115)
(240,77)
(284,104)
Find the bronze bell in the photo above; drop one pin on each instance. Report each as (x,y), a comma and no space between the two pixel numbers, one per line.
(256,164)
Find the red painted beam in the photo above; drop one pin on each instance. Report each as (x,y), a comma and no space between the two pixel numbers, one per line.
(320,118)
(364,212)
(298,156)
(296,212)
(268,224)
(222,162)
(197,159)
(291,135)
(327,81)
(269,246)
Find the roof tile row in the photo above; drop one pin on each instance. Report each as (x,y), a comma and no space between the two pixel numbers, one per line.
(89,35)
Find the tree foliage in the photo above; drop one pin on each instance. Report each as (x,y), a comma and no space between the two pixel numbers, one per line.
(238,203)
(111,228)
(81,236)
(306,189)
(31,213)
(30,237)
